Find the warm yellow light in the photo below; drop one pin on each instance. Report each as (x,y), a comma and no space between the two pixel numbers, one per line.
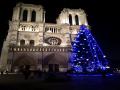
(74,32)
(63,21)
(45,44)
(63,45)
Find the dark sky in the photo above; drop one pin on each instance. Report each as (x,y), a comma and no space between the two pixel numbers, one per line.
(103,17)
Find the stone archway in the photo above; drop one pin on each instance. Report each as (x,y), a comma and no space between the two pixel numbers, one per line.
(23,61)
(55,61)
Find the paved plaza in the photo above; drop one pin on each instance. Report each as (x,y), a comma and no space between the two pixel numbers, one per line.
(82,82)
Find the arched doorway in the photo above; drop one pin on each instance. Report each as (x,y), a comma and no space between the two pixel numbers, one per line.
(23,62)
(54,62)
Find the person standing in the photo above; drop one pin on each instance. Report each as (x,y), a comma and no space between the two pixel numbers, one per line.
(2,71)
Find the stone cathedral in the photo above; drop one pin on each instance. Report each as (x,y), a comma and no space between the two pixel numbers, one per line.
(43,46)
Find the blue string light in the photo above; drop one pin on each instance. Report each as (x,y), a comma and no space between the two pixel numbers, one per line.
(86,53)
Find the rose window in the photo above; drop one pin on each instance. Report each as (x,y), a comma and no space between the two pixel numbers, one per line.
(53,41)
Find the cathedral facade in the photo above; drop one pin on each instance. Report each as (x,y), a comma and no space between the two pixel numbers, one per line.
(43,46)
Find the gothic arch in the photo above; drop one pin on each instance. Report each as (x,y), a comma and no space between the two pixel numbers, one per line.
(33,17)
(76,20)
(55,58)
(70,19)
(24,60)
(25,14)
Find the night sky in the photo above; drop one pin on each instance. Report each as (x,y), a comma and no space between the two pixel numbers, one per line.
(102,16)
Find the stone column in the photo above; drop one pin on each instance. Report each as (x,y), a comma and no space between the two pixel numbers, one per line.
(21,15)
(16,14)
(43,16)
(86,23)
(73,19)
(4,55)
(29,15)
(67,17)
(38,15)
(79,19)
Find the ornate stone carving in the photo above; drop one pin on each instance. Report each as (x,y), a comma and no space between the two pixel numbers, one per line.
(53,41)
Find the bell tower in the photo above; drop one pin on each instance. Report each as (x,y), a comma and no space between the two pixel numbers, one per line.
(72,17)
(25,28)
(28,12)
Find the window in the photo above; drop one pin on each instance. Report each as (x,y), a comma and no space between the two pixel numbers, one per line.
(33,18)
(76,20)
(70,19)
(53,41)
(31,42)
(22,42)
(25,13)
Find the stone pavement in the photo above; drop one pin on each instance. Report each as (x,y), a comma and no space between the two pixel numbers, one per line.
(17,82)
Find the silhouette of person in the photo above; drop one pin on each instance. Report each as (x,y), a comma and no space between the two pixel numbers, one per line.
(1,72)
(27,72)
(103,73)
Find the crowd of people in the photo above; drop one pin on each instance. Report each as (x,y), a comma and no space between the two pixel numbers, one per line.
(27,73)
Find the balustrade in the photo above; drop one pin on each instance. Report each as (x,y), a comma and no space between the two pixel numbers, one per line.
(52,29)
(38,49)
(28,27)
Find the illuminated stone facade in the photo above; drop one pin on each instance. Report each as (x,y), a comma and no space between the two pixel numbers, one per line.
(43,46)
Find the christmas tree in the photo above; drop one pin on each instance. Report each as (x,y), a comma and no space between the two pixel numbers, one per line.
(86,53)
